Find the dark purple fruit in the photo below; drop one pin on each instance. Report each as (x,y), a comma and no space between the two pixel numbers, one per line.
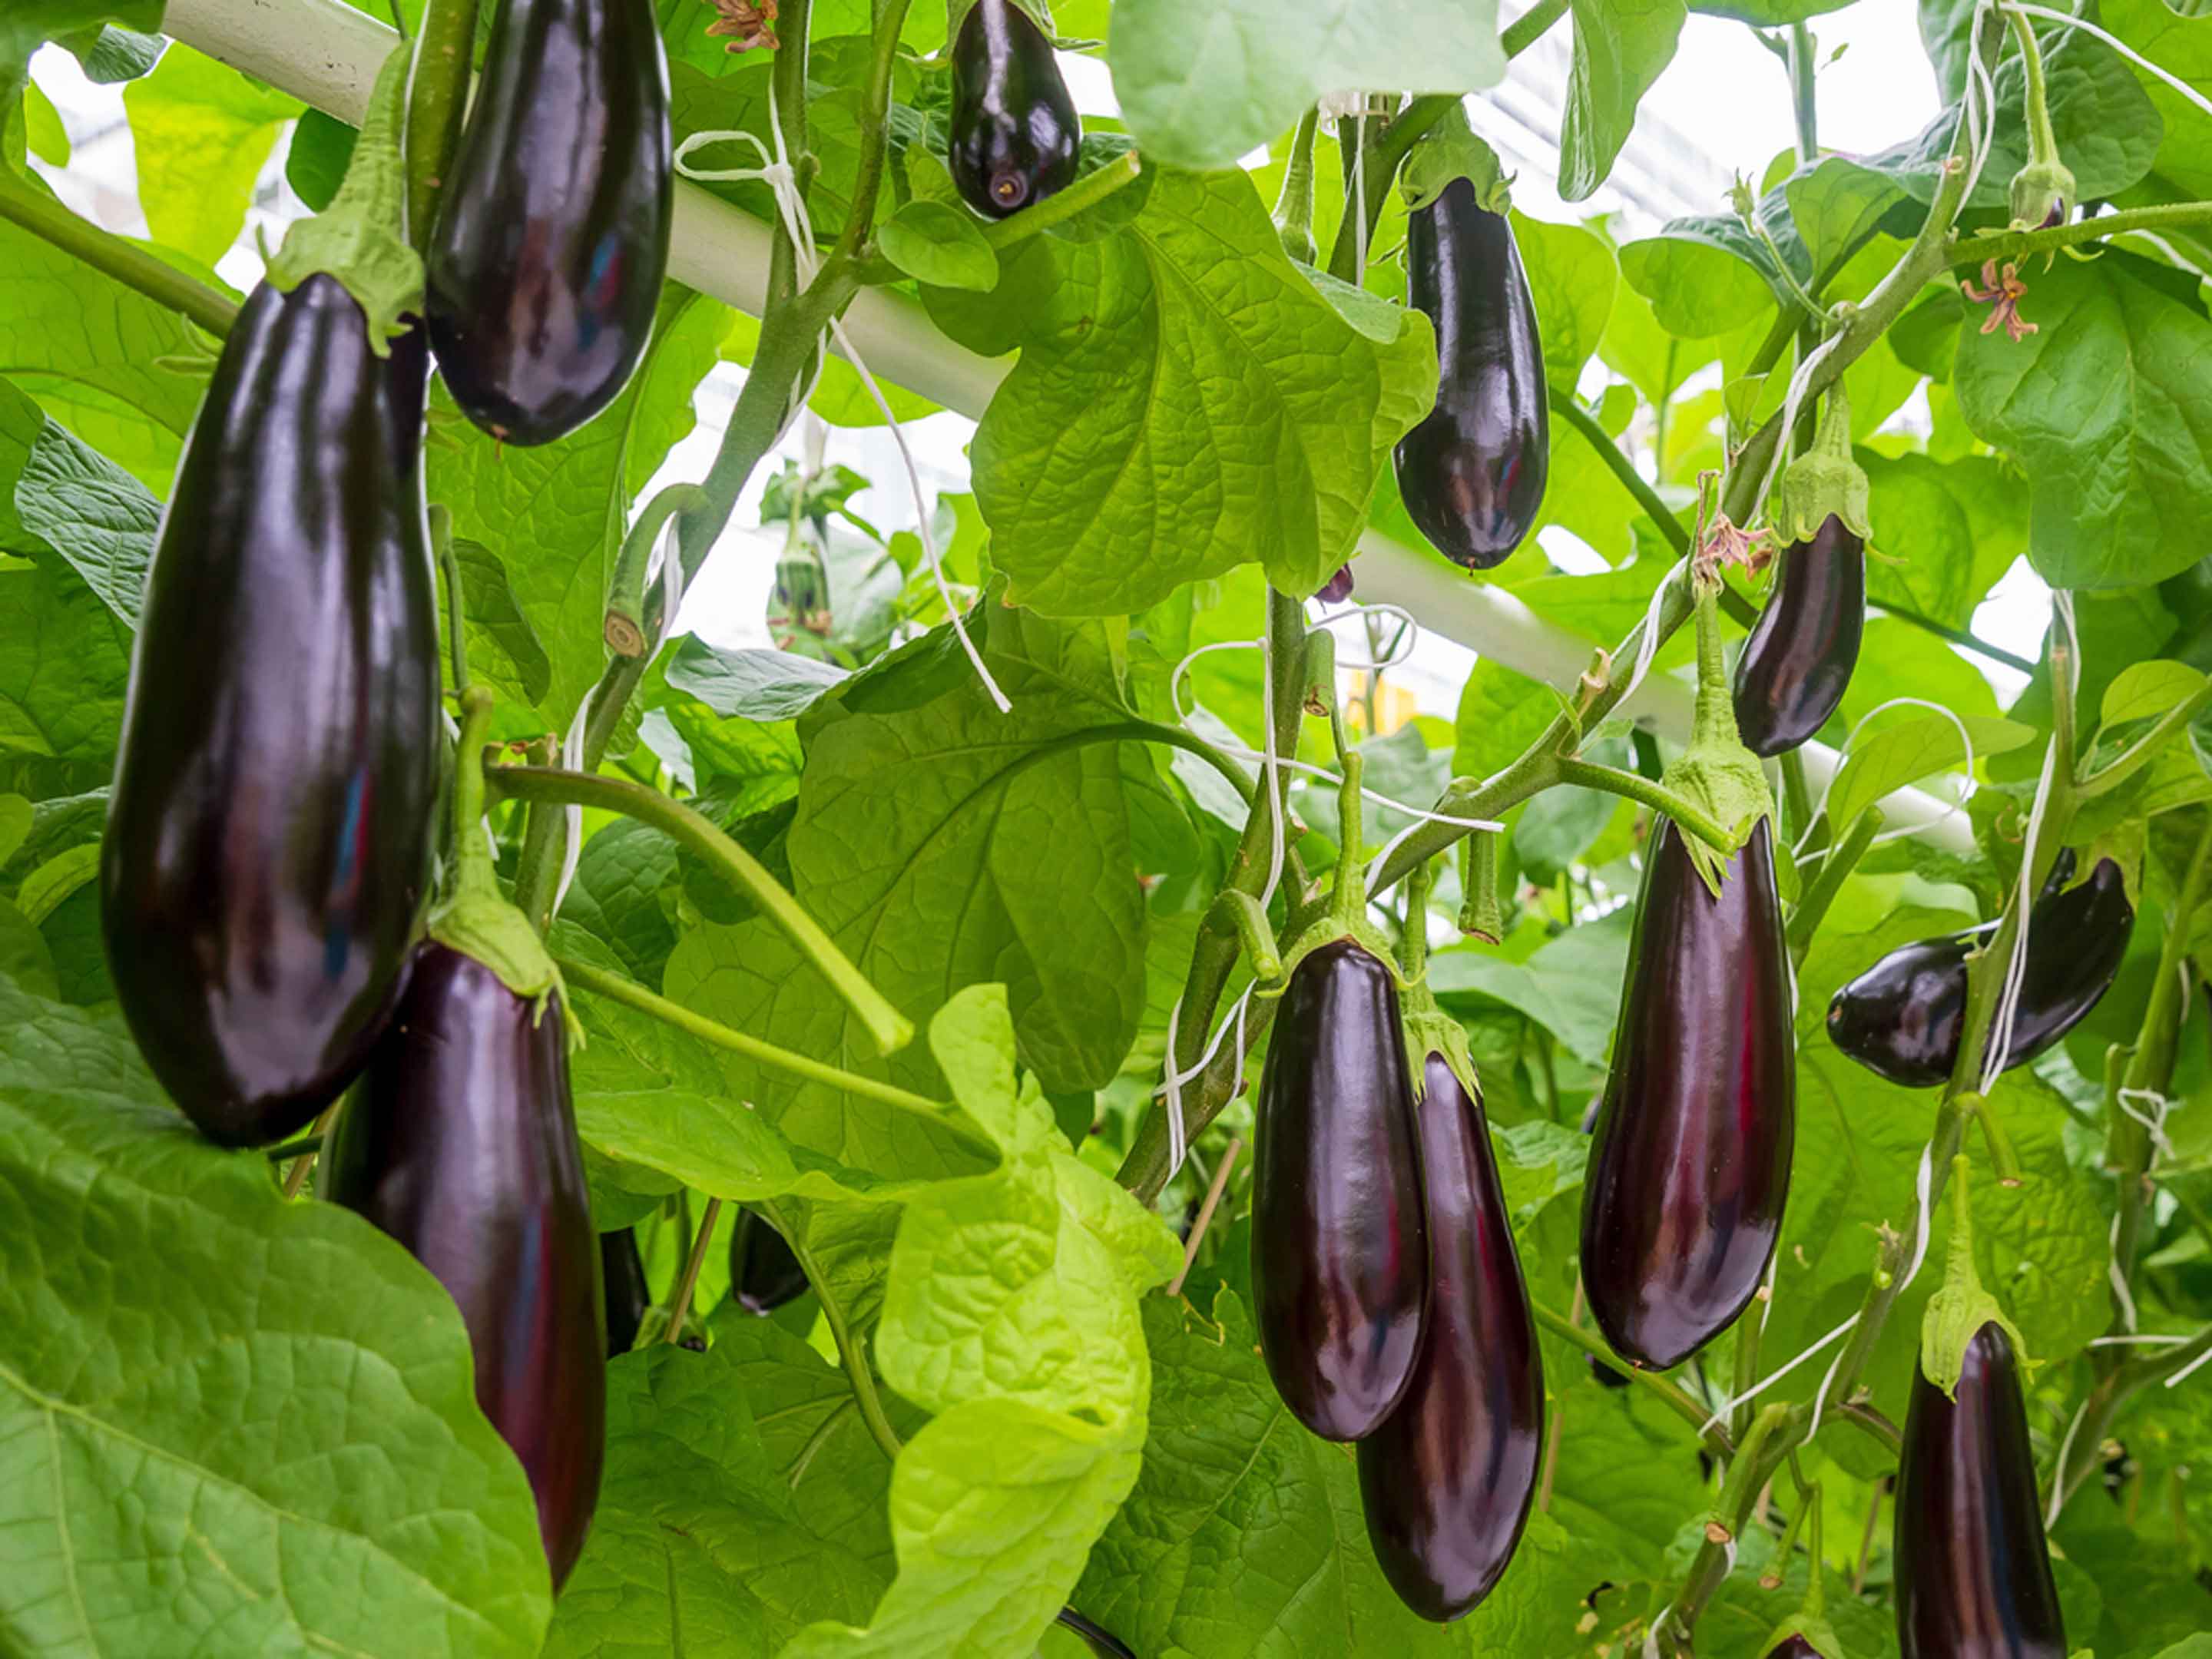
(628,1297)
(268,844)
(1691,1163)
(1472,473)
(1797,663)
(1339,1256)
(1446,1480)
(460,1142)
(1014,129)
(764,1274)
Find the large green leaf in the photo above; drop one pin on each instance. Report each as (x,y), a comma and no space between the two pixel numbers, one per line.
(1202,81)
(1572,276)
(1945,532)
(231,1422)
(1186,402)
(2181,46)
(2103,406)
(1620,48)
(203,132)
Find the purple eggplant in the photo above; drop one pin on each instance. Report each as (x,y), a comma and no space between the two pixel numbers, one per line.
(268,845)
(628,1297)
(460,1142)
(1798,661)
(1973,1572)
(1691,1163)
(1014,131)
(1900,1018)
(1794,1647)
(764,1274)
(1339,1256)
(1447,1479)
(1472,473)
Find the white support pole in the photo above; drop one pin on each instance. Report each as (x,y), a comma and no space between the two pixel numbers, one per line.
(327,54)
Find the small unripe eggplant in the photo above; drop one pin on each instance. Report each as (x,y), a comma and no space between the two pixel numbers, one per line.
(1691,1163)
(1973,1571)
(1337,589)
(1446,1481)
(552,235)
(1102,1641)
(1900,1018)
(764,1274)
(1014,129)
(1794,1647)
(1797,663)
(1339,1256)
(1472,473)
(628,1297)
(460,1143)
(267,845)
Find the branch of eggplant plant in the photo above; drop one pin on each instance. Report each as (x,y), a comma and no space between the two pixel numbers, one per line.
(437,100)
(2084,1450)
(851,1352)
(2022,245)
(27,206)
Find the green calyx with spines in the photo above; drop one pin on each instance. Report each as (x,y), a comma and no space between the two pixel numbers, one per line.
(1807,1626)
(2042,195)
(1347,915)
(1826,481)
(1451,150)
(1961,1307)
(477,919)
(1428,1029)
(1716,772)
(360,239)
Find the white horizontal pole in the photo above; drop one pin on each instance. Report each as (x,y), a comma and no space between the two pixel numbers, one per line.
(327,54)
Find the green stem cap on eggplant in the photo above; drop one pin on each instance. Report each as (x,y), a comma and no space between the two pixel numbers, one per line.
(1429,1029)
(1716,771)
(1823,482)
(478,920)
(1961,1307)
(1347,915)
(1451,150)
(360,239)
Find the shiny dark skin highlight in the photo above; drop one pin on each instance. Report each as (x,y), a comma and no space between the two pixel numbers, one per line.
(1472,473)
(1446,1481)
(1339,1256)
(1973,1571)
(628,1297)
(268,844)
(1014,131)
(552,235)
(764,1274)
(461,1143)
(1794,1647)
(1901,1017)
(1691,1163)
(1797,663)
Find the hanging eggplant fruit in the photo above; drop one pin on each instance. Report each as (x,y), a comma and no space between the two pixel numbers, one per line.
(1014,129)
(267,853)
(764,1274)
(1690,1162)
(628,1297)
(551,241)
(1472,474)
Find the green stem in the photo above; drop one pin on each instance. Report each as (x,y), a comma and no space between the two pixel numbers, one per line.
(2138,754)
(437,101)
(1413,938)
(583,976)
(1625,469)
(1958,636)
(680,1307)
(2020,245)
(890,1029)
(1257,937)
(849,1352)
(1348,894)
(112,256)
(1797,793)
(874,118)
(2042,141)
(627,635)
(1835,870)
(1678,1398)
(1658,416)
(1802,100)
(1294,202)
(442,548)
(474,856)
(2106,1401)
(1656,796)
(1059,208)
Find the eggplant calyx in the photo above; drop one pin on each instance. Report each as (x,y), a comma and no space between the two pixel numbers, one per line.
(361,237)
(2043,194)
(1428,1030)
(1808,1627)
(1451,150)
(477,919)
(1824,483)
(1957,1312)
(1716,772)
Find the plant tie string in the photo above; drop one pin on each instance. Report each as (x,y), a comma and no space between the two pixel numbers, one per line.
(777,173)
(1922,1183)
(1957,804)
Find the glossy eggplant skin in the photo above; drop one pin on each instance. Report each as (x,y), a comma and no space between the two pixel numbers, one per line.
(552,235)
(628,1297)
(1900,1018)
(764,1274)
(1793,1647)
(1691,1163)
(1798,661)
(1014,131)
(1446,1481)
(1472,473)
(269,835)
(1973,1571)
(460,1142)
(1340,1253)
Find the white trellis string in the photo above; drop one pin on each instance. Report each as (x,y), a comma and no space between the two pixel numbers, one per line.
(777,173)
(2069,20)
(1651,1636)
(1965,794)
(1921,1184)
(1980,115)
(571,757)
(2152,1117)
(2190,1370)
(2058,1469)
(1648,646)
(2118,1279)
(2153,1340)
(1799,382)
(1171,1084)
(1721,1411)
